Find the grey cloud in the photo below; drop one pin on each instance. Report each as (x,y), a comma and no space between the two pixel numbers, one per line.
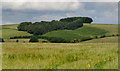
(101,12)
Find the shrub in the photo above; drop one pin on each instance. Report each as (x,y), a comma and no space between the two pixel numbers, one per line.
(75,41)
(19,37)
(34,38)
(109,36)
(11,37)
(102,36)
(17,40)
(96,37)
(113,35)
(86,39)
(117,34)
(57,40)
(2,40)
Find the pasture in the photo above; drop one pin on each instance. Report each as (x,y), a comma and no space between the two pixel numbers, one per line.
(11,30)
(60,56)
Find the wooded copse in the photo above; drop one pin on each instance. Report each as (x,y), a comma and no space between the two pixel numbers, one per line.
(39,28)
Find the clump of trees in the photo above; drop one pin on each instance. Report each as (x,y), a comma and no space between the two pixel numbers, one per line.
(71,19)
(24,26)
(39,28)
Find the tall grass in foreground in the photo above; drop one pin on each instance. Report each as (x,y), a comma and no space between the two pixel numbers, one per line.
(60,56)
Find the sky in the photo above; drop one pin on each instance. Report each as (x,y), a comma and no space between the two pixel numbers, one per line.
(28,11)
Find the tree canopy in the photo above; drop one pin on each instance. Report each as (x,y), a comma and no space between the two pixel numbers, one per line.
(39,28)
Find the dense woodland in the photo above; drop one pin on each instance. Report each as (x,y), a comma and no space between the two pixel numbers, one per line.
(39,28)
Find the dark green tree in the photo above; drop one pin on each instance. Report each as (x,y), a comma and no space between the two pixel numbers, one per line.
(34,38)
(23,26)
(87,20)
(17,40)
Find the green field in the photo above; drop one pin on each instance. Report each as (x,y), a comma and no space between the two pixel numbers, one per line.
(11,30)
(99,53)
(88,30)
(79,33)
(60,55)
(104,40)
(111,28)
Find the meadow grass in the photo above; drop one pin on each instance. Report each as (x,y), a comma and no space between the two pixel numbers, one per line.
(11,26)
(7,33)
(111,28)
(11,31)
(60,55)
(103,40)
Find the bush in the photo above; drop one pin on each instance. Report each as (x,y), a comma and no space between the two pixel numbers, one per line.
(56,40)
(117,35)
(102,36)
(19,37)
(75,41)
(109,36)
(2,40)
(96,37)
(17,40)
(34,39)
(86,39)
(113,35)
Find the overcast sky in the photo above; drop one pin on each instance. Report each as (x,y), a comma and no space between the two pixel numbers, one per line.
(16,12)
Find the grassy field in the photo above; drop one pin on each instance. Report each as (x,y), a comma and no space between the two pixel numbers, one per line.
(92,54)
(79,33)
(111,28)
(88,30)
(60,56)
(11,30)
(104,40)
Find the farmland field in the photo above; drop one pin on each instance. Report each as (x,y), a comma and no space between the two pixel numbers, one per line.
(101,53)
(11,30)
(88,30)
(60,56)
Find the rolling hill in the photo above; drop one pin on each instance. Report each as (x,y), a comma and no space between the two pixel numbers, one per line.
(87,31)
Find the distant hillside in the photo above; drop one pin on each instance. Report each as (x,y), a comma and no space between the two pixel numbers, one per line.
(11,31)
(89,30)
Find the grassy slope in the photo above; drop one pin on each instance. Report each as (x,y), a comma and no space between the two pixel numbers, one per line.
(12,26)
(86,31)
(11,30)
(104,40)
(112,29)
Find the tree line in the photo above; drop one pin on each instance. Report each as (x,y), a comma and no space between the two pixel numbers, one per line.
(39,28)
